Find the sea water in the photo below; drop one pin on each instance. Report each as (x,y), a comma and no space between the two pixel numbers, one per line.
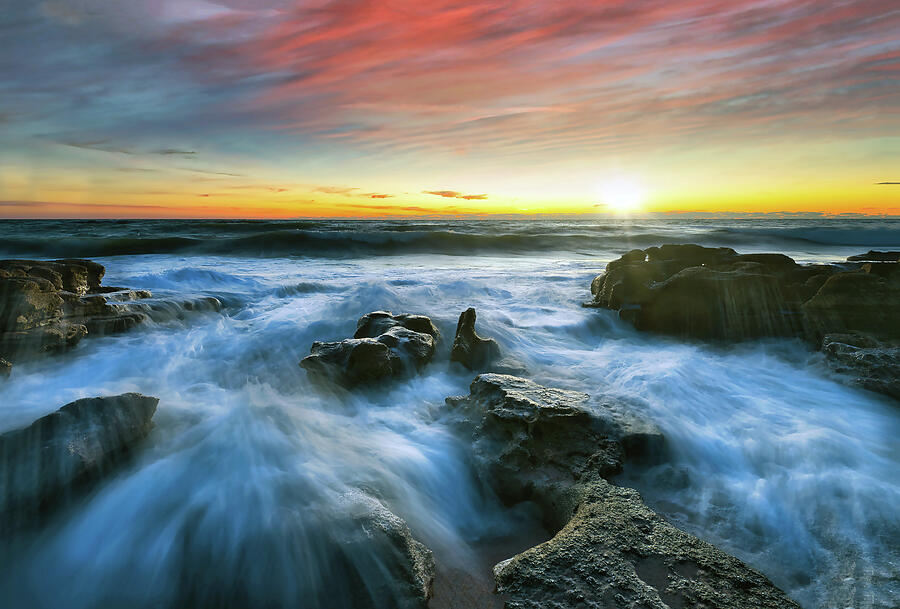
(237,486)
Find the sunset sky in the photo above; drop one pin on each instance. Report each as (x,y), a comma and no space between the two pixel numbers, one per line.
(237,108)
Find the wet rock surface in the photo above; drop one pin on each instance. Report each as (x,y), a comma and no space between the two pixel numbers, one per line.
(556,448)
(469,349)
(615,552)
(384,345)
(865,361)
(406,565)
(50,306)
(42,463)
(689,291)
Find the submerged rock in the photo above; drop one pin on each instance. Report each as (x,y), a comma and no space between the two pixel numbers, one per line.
(42,463)
(615,552)
(383,346)
(556,448)
(349,552)
(405,566)
(50,306)
(472,351)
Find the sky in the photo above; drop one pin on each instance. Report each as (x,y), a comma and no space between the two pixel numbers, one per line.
(276,108)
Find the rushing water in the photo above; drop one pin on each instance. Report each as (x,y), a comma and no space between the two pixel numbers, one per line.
(240,483)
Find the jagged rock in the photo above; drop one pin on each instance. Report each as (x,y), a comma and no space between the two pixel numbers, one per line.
(472,351)
(717,294)
(384,345)
(43,462)
(876,256)
(865,361)
(50,306)
(609,550)
(614,552)
(709,293)
(530,441)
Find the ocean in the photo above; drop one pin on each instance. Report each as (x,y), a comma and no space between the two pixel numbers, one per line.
(771,459)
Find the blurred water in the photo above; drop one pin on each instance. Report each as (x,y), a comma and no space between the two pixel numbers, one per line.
(242,476)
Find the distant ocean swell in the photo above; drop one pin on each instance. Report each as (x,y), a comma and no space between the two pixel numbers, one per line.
(355,241)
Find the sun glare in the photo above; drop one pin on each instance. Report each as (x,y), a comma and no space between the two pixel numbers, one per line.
(621,194)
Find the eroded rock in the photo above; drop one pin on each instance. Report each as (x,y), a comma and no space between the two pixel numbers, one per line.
(50,306)
(865,361)
(383,346)
(42,463)
(691,291)
(532,442)
(615,552)
(469,349)
(557,448)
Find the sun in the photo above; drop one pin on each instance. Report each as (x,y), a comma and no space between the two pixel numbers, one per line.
(621,194)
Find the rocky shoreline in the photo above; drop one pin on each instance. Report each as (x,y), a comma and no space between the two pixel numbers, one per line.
(558,449)
(845,310)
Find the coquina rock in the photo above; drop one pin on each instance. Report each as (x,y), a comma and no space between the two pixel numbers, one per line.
(529,442)
(42,463)
(704,293)
(609,550)
(50,306)
(615,552)
(383,346)
(469,349)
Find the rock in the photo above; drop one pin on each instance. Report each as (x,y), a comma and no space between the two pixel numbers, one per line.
(617,553)
(691,291)
(42,463)
(384,345)
(876,256)
(865,361)
(50,306)
(609,549)
(351,361)
(404,573)
(372,325)
(5,368)
(860,301)
(472,351)
(531,442)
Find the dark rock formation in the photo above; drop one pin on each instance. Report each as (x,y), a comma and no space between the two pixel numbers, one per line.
(373,325)
(876,256)
(865,361)
(691,291)
(615,552)
(531,441)
(609,550)
(384,345)
(50,306)
(472,351)
(42,463)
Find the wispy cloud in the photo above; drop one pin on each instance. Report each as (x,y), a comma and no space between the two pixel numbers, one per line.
(452,194)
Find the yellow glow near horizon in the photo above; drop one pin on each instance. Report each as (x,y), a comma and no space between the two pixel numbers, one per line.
(622,194)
